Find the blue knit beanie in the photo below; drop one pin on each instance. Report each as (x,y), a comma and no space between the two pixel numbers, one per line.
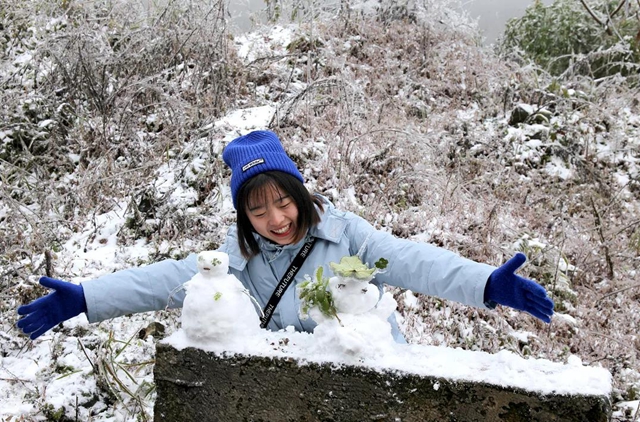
(254,153)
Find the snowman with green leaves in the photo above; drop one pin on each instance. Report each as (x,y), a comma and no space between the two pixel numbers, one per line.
(351,314)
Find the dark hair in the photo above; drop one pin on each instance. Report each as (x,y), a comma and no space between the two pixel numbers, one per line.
(306,203)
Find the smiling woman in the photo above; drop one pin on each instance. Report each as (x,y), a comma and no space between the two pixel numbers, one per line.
(267,192)
(278,221)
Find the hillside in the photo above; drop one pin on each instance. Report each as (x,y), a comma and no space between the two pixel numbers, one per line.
(114,116)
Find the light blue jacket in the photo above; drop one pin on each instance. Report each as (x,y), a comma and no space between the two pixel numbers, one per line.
(417,266)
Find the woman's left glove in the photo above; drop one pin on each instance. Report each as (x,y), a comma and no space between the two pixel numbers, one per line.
(507,288)
(65,302)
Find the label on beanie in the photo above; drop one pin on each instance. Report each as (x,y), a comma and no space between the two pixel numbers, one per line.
(252,164)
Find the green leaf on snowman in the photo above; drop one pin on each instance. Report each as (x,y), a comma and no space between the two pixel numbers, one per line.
(381,264)
(352,266)
(316,293)
(217,296)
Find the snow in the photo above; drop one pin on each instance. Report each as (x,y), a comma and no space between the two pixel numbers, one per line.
(501,369)
(95,250)
(96,247)
(258,44)
(217,308)
(556,167)
(245,120)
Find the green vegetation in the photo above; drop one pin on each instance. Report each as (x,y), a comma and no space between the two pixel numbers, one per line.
(316,293)
(571,36)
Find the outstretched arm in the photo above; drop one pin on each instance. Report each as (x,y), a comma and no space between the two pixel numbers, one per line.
(152,287)
(148,288)
(435,271)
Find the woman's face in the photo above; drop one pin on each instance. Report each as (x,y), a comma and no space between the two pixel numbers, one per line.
(274,215)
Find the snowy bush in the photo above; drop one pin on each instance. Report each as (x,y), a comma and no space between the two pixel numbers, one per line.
(587,38)
(122,91)
(114,117)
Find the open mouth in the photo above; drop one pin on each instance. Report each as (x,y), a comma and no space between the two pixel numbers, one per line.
(282,231)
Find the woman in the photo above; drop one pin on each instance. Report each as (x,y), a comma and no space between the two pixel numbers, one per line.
(277,218)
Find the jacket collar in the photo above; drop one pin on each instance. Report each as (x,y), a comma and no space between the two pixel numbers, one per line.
(330,228)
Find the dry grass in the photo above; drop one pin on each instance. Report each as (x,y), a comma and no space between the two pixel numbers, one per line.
(407,114)
(415,122)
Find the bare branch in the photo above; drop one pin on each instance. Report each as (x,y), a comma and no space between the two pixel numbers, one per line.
(593,15)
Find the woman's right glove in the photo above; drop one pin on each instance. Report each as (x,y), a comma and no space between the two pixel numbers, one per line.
(65,302)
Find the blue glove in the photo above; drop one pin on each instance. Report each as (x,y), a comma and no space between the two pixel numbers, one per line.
(65,302)
(507,288)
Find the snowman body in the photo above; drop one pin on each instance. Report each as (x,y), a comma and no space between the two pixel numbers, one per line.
(362,325)
(217,307)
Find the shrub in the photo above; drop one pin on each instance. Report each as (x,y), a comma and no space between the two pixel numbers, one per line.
(93,88)
(570,36)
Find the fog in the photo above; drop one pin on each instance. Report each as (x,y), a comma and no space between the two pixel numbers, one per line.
(492,15)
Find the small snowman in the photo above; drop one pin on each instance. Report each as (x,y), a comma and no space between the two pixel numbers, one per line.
(349,310)
(217,308)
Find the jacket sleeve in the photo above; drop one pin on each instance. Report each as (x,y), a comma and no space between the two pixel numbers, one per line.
(421,267)
(141,289)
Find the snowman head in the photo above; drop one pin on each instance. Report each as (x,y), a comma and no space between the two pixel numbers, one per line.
(344,286)
(213,263)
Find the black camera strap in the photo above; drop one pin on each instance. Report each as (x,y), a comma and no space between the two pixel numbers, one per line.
(286,281)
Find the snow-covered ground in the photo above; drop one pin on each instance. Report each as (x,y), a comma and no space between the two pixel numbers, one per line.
(127,359)
(103,372)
